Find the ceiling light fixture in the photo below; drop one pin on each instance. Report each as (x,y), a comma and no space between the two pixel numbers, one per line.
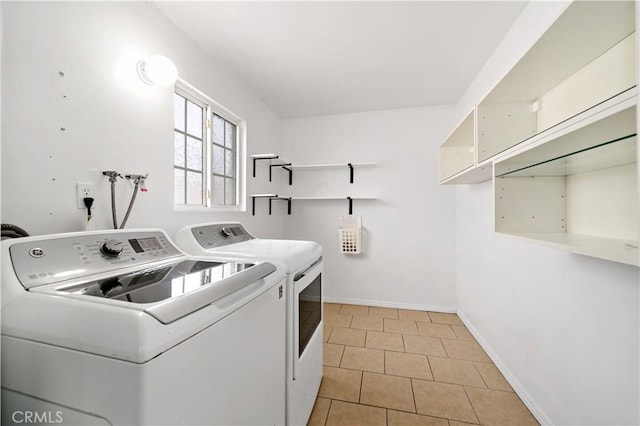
(158,70)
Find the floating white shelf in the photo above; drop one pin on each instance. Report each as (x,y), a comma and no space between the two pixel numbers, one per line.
(344,197)
(264,156)
(290,167)
(289,199)
(333,166)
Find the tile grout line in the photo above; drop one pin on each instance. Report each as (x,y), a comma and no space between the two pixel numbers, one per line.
(445,349)
(326,419)
(480,374)
(360,391)
(471,404)
(344,349)
(433,376)
(413,394)
(384,361)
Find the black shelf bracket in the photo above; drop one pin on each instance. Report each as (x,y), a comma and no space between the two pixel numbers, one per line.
(290,170)
(253,201)
(350,201)
(271,197)
(287,199)
(284,166)
(350,173)
(255,159)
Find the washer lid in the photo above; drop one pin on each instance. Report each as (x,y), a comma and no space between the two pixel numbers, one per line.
(171,291)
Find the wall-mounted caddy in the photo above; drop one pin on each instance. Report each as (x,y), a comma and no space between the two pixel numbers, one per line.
(349,167)
(585,58)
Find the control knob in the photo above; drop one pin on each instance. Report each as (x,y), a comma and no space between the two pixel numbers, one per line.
(225,232)
(111,248)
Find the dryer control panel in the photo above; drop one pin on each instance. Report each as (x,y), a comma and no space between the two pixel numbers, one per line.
(51,260)
(220,234)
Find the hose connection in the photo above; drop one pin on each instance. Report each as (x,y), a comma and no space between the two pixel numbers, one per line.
(113,175)
(138,180)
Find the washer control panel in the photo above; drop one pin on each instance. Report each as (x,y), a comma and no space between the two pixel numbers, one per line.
(53,260)
(220,234)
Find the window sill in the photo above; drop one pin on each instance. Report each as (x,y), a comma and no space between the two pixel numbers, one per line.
(203,209)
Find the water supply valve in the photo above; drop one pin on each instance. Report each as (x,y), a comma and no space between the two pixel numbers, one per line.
(139,180)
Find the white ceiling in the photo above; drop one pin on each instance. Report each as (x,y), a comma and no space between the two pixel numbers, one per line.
(319,58)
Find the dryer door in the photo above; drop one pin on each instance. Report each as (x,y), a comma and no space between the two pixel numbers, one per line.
(307,314)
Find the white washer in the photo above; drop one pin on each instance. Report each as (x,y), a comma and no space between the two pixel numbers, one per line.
(120,327)
(302,261)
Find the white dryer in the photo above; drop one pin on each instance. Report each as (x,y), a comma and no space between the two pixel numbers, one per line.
(302,261)
(120,327)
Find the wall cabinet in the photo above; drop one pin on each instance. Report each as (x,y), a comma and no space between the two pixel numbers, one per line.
(558,132)
(587,57)
(576,189)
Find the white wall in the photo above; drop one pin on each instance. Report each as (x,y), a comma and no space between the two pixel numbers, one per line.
(563,328)
(113,120)
(409,253)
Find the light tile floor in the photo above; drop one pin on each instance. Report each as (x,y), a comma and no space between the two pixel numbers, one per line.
(388,366)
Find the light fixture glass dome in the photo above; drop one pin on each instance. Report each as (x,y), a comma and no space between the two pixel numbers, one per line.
(158,70)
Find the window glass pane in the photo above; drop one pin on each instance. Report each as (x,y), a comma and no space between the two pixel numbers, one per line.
(218,160)
(194,153)
(178,111)
(178,186)
(194,188)
(229,163)
(230,192)
(218,129)
(229,134)
(178,149)
(194,119)
(217,190)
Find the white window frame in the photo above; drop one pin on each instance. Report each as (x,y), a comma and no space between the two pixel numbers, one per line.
(210,106)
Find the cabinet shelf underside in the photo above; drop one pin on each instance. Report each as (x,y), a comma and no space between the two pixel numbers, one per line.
(614,249)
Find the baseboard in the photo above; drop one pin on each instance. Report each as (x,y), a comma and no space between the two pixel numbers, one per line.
(508,375)
(381,304)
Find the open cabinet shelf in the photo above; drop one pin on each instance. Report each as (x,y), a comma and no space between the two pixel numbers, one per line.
(577,190)
(457,153)
(587,58)
(458,163)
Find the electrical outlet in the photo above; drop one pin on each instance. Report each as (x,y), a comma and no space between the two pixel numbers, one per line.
(84,190)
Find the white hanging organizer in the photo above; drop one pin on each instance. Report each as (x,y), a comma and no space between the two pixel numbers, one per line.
(351,234)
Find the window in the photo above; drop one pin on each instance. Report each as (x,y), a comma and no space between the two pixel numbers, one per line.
(224,161)
(206,142)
